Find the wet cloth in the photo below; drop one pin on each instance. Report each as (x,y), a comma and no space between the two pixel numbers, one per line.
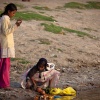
(4,72)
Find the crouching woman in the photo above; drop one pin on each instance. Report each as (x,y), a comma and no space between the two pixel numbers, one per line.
(39,77)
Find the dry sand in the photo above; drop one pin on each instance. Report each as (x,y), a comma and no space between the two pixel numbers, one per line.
(77,58)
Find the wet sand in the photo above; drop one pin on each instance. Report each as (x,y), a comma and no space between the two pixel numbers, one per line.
(90,94)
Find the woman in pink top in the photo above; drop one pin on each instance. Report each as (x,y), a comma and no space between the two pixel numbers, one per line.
(7,43)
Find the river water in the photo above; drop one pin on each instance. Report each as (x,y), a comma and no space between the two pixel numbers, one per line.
(92,94)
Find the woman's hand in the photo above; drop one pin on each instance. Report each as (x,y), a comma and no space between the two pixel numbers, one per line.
(18,22)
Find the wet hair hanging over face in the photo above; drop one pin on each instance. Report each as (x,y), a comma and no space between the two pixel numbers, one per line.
(9,7)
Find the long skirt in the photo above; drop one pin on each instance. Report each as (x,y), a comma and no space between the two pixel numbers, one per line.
(4,72)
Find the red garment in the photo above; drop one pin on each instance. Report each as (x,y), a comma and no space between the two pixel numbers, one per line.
(4,72)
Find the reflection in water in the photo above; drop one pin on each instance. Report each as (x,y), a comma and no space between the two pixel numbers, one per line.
(65,98)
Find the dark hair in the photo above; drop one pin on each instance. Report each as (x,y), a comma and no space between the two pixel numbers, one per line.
(9,7)
(42,61)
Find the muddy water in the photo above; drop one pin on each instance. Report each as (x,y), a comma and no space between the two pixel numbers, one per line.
(92,94)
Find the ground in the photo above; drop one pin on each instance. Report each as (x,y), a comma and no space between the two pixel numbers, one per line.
(77,58)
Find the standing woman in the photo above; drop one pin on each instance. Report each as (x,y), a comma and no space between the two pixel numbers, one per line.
(7,49)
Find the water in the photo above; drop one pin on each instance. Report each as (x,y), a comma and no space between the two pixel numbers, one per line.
(92,94)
